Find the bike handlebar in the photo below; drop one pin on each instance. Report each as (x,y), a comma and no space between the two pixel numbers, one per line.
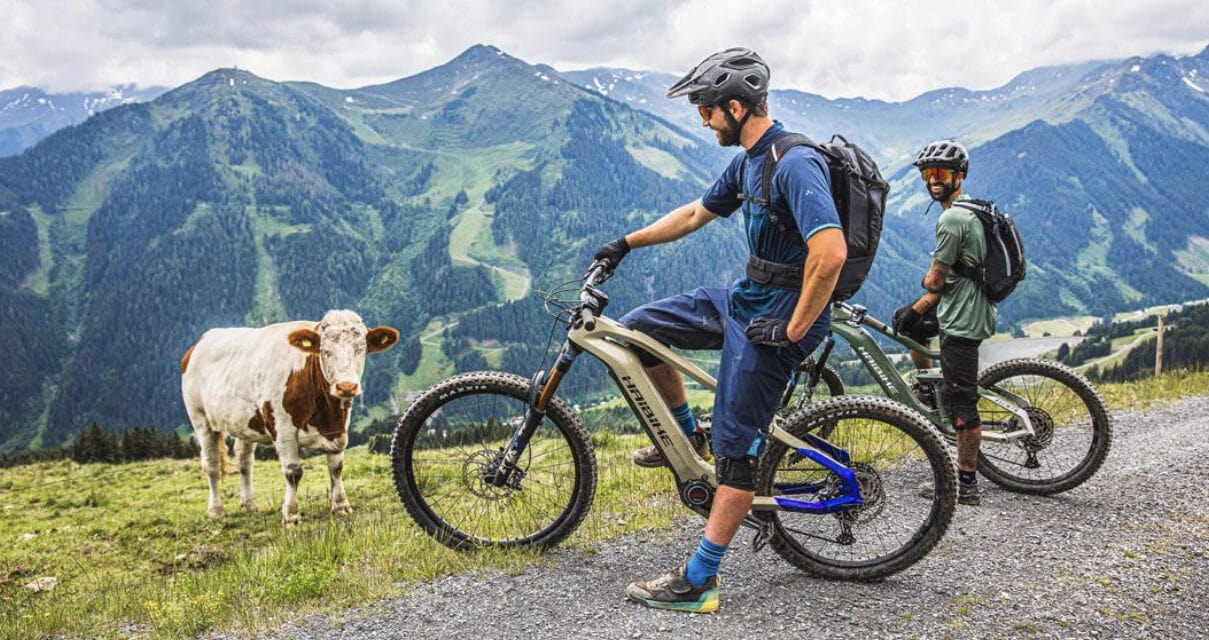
(877,324)
(861,316)
(597,274)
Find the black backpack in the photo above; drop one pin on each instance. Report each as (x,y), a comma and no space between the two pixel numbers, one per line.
(859,192)
(1005,264)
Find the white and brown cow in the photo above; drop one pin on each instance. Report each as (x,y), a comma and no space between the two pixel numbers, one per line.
(290,385)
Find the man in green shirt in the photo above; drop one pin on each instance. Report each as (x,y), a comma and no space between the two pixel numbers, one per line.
(963,312)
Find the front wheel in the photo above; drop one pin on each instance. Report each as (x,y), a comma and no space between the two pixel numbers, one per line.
(1072,427)
(893,452)
(448,444)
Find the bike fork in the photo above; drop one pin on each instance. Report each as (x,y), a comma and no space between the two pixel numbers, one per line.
(541,390)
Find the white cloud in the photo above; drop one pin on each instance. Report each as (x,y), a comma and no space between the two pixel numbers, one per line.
(862,47)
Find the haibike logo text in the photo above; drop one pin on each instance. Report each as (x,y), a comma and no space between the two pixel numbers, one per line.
(882,379)
(644,410)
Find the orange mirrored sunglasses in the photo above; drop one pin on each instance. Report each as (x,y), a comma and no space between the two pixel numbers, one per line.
(705,110)
(942,174)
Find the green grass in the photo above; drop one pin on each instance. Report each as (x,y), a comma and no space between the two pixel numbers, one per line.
(132,547)
(40,282)
(657,160)
(134,552)
(1065,326)
(1148,391)
(267,306)
(434,365)
(1195,259)
(1123,341)
(1118,355)
(475,169)
(471,243)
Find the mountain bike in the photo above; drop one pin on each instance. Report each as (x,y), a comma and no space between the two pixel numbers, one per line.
(1045,427)
(492,459)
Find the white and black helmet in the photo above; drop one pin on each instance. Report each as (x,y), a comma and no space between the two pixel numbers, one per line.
(735,73)
(944,153)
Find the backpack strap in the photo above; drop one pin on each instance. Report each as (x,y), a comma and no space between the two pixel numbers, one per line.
(979,208)
(780,146)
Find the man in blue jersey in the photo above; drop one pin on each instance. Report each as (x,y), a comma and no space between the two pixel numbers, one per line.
(765,324)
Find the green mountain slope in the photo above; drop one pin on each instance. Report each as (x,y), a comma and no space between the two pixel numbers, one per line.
(234,200)
(441,203)
(28,114)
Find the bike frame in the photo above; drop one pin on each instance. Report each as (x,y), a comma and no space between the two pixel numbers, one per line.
(696,479)
(848,322)
(611,343)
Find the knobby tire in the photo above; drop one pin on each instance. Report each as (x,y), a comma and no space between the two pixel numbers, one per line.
(442,488)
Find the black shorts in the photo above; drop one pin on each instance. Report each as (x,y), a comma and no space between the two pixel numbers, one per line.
(959,367)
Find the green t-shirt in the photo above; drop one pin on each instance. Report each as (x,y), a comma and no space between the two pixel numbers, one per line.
(964,309)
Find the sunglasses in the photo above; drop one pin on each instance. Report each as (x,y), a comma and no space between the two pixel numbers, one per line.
(705,110)
(939,173)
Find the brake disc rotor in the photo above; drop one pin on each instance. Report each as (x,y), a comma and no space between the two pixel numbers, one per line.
(479,466)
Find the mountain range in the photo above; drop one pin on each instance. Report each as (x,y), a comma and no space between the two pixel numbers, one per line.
(29,114)
(443,202)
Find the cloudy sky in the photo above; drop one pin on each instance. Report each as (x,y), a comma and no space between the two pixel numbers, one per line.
(885,49)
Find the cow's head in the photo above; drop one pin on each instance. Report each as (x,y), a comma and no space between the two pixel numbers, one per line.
(341,339)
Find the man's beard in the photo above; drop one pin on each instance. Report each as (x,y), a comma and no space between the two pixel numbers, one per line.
(729,136)
(946,192)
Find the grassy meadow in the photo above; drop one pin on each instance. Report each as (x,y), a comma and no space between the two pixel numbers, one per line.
(135,555)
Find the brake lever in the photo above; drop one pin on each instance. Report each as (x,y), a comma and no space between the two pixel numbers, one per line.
(593,301)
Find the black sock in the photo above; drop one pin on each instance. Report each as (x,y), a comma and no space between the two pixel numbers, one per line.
(966,477)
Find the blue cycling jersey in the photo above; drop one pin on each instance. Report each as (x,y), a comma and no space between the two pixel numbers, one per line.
(802,183)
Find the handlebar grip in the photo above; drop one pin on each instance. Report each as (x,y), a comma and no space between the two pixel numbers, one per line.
(877,324)
(588,319)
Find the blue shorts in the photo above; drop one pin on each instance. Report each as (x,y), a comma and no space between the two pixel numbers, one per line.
(751,378)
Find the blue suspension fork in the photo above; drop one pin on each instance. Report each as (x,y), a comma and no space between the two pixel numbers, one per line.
(541,391)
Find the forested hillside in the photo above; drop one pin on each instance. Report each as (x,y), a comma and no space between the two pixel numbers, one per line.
(236,200)
(442,203)
(1185,345)
(28,114)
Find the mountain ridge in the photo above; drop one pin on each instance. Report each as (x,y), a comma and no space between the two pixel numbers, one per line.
(434,204)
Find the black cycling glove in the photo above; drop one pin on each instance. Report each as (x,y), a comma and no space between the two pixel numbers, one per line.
(769,332)
(904,319)
(612,252)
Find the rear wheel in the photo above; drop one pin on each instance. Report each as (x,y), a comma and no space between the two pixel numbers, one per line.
(1072,425)
(892,450)
(450,441)
(829,386)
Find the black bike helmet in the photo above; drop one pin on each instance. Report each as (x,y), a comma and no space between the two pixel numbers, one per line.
(736,73)
(944,153)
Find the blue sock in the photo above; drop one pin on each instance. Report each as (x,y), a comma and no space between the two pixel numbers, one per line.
(684,417)
(704,564)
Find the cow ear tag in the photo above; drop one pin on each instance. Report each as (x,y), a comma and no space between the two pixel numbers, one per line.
(306,344)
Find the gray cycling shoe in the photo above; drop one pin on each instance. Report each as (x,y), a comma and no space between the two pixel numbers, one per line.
(673,591)
(651,458)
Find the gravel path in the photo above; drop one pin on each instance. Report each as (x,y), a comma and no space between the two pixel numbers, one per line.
(1126,555)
